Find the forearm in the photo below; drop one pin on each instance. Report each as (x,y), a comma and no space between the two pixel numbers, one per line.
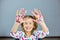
(44,27)
(15,27)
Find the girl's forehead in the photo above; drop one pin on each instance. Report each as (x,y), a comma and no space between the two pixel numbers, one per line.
(28,19)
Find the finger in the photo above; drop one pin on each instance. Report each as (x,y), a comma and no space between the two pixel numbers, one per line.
(17,13)
(17,19)
(22,15)
(36,11)
(40,14)
(22,10)
(34,14)
(35,20)
(22,21)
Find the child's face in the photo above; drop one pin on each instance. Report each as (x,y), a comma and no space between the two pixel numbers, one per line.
(28,24)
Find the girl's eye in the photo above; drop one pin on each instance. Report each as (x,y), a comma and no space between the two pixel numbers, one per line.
(26,23)
(30,23)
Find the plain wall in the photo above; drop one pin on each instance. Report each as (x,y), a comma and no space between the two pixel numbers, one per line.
(49,8)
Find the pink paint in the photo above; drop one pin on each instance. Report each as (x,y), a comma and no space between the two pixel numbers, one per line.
(17,19)
(12,34)
(22,38)
(22,10)
(40,16)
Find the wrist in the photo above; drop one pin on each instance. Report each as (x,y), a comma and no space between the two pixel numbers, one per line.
(43,24)
(16,23)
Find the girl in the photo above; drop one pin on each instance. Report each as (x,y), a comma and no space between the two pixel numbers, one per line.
(29,26)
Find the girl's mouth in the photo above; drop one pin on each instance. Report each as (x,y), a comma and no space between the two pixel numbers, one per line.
(28,27)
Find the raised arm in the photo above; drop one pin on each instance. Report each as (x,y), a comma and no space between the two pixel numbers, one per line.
(16,24)
(19,19)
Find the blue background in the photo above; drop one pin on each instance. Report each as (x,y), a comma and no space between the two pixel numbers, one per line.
(49,8)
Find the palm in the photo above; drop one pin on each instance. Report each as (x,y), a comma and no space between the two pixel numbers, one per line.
(38,15)
(20,14)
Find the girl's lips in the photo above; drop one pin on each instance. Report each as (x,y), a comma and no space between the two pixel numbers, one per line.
(28,27)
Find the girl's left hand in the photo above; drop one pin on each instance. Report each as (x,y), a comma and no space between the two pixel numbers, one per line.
(39,16)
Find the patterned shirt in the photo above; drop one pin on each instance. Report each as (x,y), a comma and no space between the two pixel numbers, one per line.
(35,35)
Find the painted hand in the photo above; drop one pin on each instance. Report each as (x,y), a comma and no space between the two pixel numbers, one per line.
(39,16)
(20,15)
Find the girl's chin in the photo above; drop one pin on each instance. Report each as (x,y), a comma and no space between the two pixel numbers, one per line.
(28,30)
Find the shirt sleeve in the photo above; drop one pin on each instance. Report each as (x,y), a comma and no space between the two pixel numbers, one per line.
(18,34)
(41,34)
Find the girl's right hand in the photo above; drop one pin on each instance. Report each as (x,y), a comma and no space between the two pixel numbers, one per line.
(20,15)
